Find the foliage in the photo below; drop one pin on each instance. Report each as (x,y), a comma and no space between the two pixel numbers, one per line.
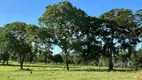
(60,19)
(57,58)
(110,40)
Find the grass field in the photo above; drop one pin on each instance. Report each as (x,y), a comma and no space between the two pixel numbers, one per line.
(58,72)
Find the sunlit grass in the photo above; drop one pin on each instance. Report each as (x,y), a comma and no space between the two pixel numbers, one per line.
(41,71)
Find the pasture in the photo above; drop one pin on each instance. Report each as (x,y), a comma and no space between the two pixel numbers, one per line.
(41,71)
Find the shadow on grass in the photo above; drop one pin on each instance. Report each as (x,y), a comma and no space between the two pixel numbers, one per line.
(42,66)
(104,70)
(88,70)
(72,68)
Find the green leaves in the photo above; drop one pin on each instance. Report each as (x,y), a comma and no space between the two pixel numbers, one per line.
(74,31)
(63,20)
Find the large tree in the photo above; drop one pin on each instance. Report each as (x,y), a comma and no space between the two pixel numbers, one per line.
(87,41)
(61,19)
(127,30)
(108,37)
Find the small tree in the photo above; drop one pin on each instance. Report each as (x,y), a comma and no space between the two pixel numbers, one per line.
(57,58)
(4,46)
(16,35)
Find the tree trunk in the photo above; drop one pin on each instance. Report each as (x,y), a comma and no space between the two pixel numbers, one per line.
(135,62)
(3,61)
(66,58)
(110,62)
(129,52)
(45,59)
(7,61)
(67,65)
(110,54)
(21,62)
(21,65)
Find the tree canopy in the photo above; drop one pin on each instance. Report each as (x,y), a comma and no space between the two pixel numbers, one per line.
(111,38)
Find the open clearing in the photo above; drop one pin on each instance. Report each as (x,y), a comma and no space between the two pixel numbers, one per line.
(58,72)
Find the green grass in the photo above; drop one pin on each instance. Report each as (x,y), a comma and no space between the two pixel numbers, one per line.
(57,72)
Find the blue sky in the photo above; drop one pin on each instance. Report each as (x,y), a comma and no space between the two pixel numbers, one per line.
(30,10)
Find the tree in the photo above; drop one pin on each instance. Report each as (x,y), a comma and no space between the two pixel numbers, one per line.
(61,19)
(108,35)
(139,58)
(16,35)
(138,16)
(88,39)
(57,58)
(127,31)
(47,56)
(41,41)
(4,46)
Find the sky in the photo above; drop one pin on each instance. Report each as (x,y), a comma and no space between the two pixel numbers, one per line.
(30,10)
